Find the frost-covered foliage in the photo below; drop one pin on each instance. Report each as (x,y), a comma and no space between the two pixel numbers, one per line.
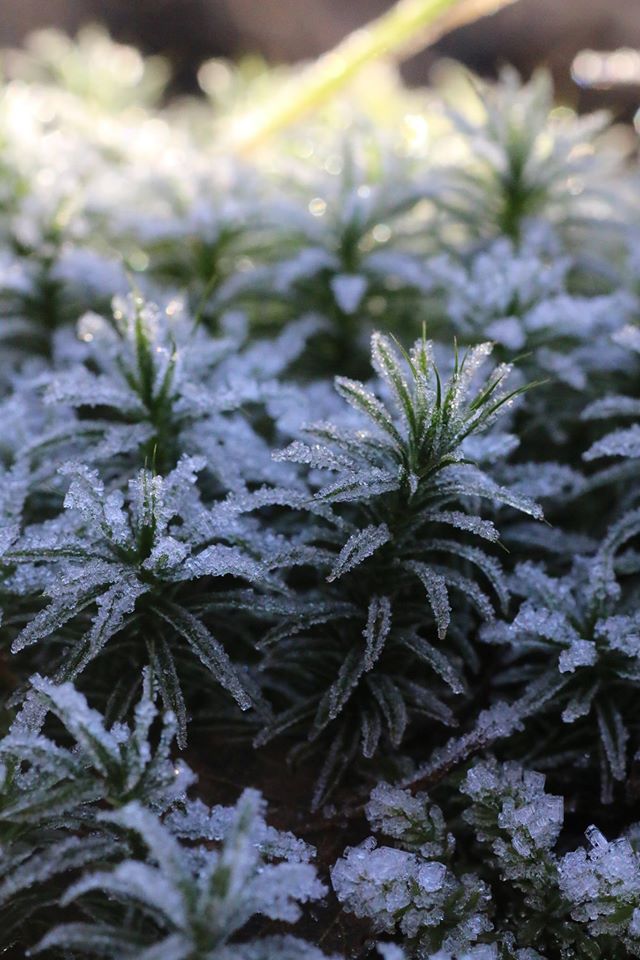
(501,892)
(63,809)
(152,384)
(521,296)
(622,444)
(321,460)
(53,794)
(119,557)
(411,886)
(525,160)
(577,638)
(190,900)
(403,494)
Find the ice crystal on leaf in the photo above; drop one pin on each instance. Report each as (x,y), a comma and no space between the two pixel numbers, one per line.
(413,819)
(406,888)
(511,809)
(421,898)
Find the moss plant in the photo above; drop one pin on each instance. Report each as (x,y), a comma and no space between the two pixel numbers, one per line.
(282,522)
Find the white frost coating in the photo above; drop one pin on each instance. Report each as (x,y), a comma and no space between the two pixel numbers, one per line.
(495,279)
(83,723)
(493,724)
(436,588)
(581,653)
(603,885)
(200,897)
(463,521)
(409,890)
(116,762)
(531,818)
(621,632)
(358,547)
(410,818)
(377,882)
(313,455)
(540,480)
(628,336)
(390,951)
(196,821)
(110,549)
(487,951)
(178,386)
(376,629)
(583,641)
(620,443)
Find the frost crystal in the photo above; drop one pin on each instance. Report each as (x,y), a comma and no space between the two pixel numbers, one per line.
(603,887)
(408,890)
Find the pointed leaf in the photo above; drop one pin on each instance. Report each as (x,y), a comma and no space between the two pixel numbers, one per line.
(437,594)
(376,630)
(358,548)
(207,649)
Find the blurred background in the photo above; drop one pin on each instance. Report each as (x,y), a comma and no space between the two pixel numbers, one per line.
(529,33)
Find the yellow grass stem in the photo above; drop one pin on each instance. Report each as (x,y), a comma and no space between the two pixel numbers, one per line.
(405,29)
